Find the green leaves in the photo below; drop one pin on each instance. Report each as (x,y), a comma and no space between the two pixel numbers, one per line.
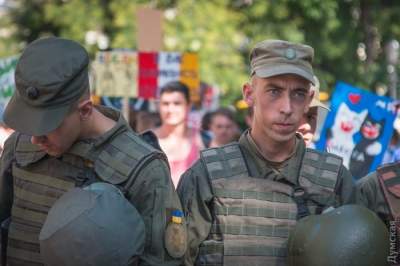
(223,32)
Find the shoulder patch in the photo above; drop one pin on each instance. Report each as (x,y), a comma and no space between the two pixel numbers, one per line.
(176,240)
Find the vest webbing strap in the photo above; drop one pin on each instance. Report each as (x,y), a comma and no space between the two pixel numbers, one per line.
(243,250)
(212,247)
(255,230)
(320,168)
(42,179)
(256,212)
(265,196)
(29,257)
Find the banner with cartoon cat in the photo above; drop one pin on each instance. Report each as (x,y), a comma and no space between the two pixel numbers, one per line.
(358,128)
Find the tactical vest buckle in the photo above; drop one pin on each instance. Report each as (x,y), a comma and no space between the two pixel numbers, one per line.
(300,197)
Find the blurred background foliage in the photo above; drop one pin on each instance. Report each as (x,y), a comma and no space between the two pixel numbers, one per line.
(349,36)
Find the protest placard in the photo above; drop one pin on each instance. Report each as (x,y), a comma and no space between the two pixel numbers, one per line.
(7,82)
(115,74)
(358,128)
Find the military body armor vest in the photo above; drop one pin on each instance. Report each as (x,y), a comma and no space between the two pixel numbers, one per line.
(253,216)
(39,181)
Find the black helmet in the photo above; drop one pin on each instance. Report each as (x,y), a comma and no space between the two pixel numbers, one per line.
(350,235)
(92,226)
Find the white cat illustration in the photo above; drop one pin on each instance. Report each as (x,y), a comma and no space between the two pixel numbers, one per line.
(340,136)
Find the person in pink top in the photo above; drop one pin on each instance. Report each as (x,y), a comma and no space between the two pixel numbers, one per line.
(180,143)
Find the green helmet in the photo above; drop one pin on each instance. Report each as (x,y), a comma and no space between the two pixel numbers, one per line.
(350,235)
(92,226)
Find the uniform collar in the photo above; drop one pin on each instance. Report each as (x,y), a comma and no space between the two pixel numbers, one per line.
(85,147)
(263,169)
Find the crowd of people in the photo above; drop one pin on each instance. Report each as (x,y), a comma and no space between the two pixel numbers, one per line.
(78,186)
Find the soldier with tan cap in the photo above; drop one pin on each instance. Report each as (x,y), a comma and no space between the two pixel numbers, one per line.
(63,141)
(241,200)
(308,124)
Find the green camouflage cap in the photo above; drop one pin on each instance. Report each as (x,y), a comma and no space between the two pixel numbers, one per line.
(51,75)
(275,57)
(95,226)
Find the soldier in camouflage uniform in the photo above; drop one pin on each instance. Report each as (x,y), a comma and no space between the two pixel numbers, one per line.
(241,200)
(64,141)
(380,192)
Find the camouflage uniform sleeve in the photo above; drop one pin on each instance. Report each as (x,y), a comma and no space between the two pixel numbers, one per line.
(345,188)
(154,196)
(195,193)
(6,182)
(6,178)
(369,194)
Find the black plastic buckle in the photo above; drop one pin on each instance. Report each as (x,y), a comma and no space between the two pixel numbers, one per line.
(300,197)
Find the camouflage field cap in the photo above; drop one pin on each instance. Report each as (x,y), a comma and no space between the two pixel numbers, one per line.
(51,75)
(95,226)
(275,57)
(315,102)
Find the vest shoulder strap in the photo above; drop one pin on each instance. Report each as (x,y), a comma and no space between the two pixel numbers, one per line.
(320,168)
(123,157)
(389,180)
(26,152)
(224,162)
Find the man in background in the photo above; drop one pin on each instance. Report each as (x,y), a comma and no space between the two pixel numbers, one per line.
(223,127)
(308,124)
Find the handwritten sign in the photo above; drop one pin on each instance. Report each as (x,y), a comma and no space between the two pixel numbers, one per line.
(115,74)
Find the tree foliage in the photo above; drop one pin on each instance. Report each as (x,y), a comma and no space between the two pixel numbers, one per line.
(348,36)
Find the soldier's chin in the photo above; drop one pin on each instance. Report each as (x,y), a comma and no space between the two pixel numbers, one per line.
(174,122)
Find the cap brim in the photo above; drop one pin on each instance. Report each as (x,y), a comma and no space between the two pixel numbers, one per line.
(32,120)
(317,103)
(275,70)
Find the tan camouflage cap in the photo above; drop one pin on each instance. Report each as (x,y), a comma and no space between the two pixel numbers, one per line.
(275,57)
(51,75)
(315,102)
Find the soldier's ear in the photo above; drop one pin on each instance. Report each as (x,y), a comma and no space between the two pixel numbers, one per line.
(85,109)
(248,94)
